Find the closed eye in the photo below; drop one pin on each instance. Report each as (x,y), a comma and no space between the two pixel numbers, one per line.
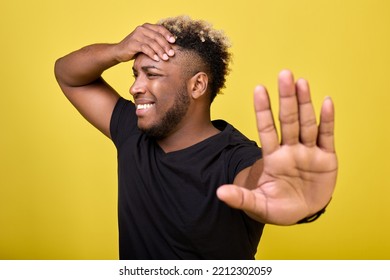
(152,75)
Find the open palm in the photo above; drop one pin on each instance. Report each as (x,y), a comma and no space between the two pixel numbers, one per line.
(297,174)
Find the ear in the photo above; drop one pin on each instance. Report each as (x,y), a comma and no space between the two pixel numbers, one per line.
(198,85)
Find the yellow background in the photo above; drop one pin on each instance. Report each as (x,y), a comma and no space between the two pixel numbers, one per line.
(58,174)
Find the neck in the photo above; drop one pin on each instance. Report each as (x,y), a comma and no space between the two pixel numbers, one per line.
(188,135)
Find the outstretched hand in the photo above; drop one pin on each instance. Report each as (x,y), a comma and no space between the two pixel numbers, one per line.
(298,174)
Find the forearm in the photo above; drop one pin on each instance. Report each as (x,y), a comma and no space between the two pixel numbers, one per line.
(84,66)
(249,177)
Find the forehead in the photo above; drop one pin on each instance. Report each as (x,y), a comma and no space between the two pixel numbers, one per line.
(182,61)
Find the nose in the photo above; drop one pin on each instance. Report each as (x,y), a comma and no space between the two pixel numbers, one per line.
(138,87)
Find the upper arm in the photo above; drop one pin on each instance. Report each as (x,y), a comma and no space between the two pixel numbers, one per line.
(95,102)
(249,177)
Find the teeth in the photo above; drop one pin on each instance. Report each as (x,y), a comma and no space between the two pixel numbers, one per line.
(144,106)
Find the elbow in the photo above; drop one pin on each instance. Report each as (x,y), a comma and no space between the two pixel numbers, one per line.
(60,77)
(57,70)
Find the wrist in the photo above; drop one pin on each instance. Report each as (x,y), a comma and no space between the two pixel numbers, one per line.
(313,217)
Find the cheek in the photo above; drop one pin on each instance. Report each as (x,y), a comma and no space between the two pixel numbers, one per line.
(163,94)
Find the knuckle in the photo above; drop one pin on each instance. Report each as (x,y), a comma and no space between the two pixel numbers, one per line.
(266,128)
(144,47)
(139,28)
(309,123)
(146,24)
(288,118)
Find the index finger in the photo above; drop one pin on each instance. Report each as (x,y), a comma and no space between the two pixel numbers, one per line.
(162,30)
(162,35)
(265,121)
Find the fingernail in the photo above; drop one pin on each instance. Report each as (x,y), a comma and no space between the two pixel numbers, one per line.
(171,39)
(171,52)
(155,57)
(258,87)
(165,56)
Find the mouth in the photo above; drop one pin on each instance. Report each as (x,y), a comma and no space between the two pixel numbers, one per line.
(145,106)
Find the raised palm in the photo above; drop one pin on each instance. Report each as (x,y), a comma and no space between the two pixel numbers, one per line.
(297,175)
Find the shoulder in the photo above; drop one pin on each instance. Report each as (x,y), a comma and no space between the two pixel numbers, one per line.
(240,151)
(232,135)
(123,105)
(123,120)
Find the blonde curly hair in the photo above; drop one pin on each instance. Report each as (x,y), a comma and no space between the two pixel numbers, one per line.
(209,44)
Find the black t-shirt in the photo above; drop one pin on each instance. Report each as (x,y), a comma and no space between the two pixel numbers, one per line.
(167,206)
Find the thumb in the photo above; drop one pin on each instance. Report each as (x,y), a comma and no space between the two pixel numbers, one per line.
(237,197)
(252,203)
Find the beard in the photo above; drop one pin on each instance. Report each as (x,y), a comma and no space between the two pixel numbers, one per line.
(172,117)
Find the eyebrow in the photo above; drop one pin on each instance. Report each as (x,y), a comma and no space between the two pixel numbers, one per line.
(146,68)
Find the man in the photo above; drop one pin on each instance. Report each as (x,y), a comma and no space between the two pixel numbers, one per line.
(189,187)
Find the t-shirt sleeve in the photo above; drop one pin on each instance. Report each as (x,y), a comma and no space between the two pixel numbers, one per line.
(242,153)
(243,156)
(123,121)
